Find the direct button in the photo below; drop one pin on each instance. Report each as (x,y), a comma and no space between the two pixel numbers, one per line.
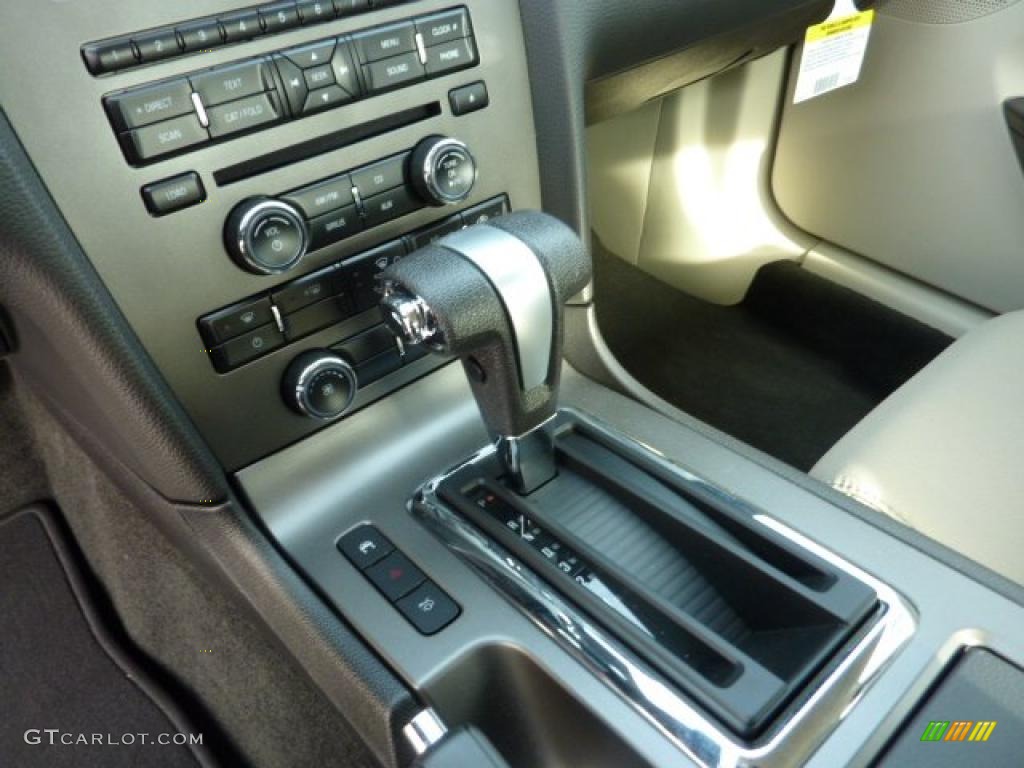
(151,104)
(364,546)
(395,576)
(429,609)
(172,195)
(243,115)
(163,138)
(225,84)
(380,177)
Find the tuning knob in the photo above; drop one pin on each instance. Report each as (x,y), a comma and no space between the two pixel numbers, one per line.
(319,384)
(443,171)
(266,236)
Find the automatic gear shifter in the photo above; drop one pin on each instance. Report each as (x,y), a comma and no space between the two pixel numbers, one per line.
(493,295)
(679,572)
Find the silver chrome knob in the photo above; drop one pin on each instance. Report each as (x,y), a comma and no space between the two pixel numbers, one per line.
(409,317)
(266,236)
(320,384)
(444,171)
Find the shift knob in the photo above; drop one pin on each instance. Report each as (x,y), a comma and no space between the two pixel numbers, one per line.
(493,295)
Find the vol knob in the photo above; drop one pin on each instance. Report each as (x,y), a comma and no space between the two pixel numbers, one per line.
(443,171)
(266,236)
(319,384)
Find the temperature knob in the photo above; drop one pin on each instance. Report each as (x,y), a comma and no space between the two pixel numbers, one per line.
(443,171)
(319,384)
(266,236)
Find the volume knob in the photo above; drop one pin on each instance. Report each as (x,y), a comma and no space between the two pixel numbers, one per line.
(266,236)
(443,171)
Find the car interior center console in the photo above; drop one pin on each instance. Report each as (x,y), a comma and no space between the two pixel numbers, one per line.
(308,211)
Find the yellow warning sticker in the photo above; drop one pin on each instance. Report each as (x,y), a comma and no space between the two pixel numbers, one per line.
(833,54)
(839,26)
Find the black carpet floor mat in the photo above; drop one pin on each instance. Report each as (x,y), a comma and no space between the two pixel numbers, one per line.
(62,679)
(790,370)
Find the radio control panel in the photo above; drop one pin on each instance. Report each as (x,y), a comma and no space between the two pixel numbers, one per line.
(170,117)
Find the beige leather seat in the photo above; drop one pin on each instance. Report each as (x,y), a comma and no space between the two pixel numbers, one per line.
(945,453)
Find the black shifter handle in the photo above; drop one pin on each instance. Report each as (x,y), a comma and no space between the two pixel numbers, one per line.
(493,295)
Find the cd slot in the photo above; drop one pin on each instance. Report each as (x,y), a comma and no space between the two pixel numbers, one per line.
(324,144)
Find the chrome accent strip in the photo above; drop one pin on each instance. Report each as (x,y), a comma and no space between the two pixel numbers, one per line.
(278,319)
(522,285)
(197,102)
(424,731)
(421,49)
(798,732)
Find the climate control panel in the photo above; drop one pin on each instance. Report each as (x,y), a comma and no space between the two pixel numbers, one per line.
(342,295)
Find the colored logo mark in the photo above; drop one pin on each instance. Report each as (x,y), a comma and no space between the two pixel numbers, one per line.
(959,730)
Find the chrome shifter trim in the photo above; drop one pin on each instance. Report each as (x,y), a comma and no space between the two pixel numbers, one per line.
(522,285)
(798,732)
(424,731)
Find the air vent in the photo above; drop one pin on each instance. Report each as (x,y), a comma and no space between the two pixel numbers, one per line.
(942,11)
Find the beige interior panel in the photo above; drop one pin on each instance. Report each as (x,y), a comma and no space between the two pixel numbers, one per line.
(620,156)
(913,166)
(698,214)
(948,314)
